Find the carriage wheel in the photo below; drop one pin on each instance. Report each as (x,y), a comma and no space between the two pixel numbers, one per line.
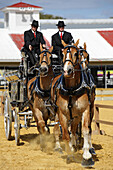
(7,118)
(17,127)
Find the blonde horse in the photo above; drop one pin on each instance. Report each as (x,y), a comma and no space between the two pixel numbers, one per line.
(70,92)
(38,90)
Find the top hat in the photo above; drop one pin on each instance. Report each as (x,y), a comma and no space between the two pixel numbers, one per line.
(60,24)
(35,23)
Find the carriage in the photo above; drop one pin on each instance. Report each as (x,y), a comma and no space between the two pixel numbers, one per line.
(16,104)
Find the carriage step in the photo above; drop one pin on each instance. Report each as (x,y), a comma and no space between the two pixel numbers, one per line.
(48,105)
(54,123)
(25,113)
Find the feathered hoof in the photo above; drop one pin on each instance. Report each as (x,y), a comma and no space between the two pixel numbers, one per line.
(58,150)
(70,159)
(92,151)
(87,163)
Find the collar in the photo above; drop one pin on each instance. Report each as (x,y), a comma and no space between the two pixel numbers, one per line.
(33,31)
(60,33)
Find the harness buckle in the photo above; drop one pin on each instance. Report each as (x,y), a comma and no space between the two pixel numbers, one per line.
(70,106)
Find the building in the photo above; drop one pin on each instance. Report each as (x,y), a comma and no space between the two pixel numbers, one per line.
(96,33)
(17,19)
(19,15)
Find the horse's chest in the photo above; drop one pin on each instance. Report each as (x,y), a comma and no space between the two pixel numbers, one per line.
(78,105)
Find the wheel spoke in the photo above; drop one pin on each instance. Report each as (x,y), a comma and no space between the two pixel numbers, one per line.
(7,118)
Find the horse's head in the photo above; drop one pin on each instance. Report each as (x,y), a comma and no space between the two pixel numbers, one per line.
(45,61)
(70,58)
(83,56)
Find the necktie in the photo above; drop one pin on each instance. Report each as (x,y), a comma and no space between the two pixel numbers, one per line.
(34,35)
(61,35)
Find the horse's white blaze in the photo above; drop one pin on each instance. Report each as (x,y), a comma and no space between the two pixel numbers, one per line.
(83,61)
(66,64)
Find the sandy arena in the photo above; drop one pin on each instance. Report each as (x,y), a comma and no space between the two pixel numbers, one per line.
(28,155)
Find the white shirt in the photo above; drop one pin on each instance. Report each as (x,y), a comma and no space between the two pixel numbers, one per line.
(60,33)
(33,31)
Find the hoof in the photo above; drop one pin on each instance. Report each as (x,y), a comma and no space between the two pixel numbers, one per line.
(58,150)
(87,163)
(92,151)
(70,159)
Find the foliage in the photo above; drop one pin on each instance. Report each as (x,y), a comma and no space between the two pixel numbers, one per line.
(49,16)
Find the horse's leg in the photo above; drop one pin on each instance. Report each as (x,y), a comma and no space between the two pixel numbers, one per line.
(41,127)
(56,133)
(73,142)
(87,157)
(92,150)
(66,137)
(36,120)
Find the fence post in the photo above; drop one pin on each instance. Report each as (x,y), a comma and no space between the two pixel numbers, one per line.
(97,126)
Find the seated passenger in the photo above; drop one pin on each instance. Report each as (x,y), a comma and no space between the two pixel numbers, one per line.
(32,40)
(61,35)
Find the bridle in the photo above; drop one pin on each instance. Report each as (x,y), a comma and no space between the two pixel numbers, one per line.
(69,51)
(45,55)
(81,50)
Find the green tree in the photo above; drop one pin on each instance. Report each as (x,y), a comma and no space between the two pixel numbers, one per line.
(49,16)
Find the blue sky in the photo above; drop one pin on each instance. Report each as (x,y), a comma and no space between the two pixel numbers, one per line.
(71,9)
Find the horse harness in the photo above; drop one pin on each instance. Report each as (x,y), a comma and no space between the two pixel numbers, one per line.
(35,87)
(87,84)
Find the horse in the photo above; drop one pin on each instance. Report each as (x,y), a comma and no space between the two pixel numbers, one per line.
(38,91)
(70,92)
(84,58)
(84,61)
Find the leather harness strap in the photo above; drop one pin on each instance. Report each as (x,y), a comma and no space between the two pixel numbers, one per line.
(85,86)
(70,106)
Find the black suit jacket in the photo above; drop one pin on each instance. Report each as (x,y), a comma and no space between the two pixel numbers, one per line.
(29,39)
(56,41)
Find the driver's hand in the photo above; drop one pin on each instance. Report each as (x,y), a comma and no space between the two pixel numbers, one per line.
(30,47)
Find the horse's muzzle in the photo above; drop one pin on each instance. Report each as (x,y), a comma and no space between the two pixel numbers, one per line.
(43,70)
(68,72)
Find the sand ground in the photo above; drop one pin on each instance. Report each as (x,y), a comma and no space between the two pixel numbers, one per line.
(28,155)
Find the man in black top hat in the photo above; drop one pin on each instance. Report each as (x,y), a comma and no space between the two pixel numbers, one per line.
(32,40)
(61,35)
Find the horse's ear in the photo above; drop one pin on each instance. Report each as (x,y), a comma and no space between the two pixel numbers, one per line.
(84,45)
(63,43)
(76,44)
(51,49)
(41,49)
